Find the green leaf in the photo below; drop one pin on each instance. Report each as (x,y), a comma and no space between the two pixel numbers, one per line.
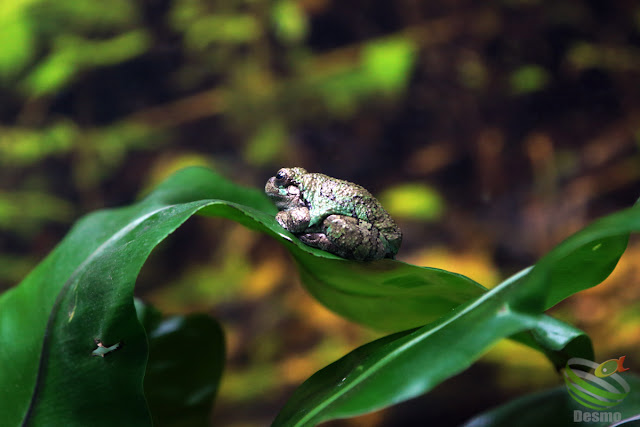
(582,261)
(342,90)
(266,144)
(88,15)
(83,291)
(386,295)
(20,207)
(401,295)
(289,21)
(407,364)
(404,365)
(80,293)
(557,340)
(72,54)
(528,79)
(16,39)
(414,201)
(230,28)
(388,62)
(186,358)
(25,146)
(554,408)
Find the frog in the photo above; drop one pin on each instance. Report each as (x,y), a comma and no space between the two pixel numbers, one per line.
(333,215)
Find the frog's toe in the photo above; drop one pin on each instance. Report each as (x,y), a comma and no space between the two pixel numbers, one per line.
(317,240)
(320,241)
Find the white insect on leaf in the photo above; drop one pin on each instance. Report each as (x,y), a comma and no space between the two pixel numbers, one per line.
(103,350)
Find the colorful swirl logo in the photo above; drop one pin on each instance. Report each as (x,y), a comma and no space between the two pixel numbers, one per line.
(603,390)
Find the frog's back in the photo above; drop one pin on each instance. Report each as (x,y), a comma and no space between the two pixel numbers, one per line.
(329,196)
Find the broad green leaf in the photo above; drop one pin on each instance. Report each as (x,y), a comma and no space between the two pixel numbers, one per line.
(186,358)
(587,257)
(555,408)
(83,291)
(557,340)
(407,364)
(386,295)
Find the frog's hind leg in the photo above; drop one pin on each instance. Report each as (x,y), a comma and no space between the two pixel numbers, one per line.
(347,237)
(321,241)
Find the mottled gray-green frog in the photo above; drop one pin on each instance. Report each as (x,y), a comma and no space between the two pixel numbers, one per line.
(333,215)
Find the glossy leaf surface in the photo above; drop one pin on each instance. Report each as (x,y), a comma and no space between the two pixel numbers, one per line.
(83,292)
(405,365)
(186,359)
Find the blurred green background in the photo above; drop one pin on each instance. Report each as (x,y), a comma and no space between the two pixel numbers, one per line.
(490,131)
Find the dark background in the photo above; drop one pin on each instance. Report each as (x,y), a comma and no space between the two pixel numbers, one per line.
(490,131)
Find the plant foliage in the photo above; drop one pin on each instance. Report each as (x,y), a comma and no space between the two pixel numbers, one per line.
(82,294)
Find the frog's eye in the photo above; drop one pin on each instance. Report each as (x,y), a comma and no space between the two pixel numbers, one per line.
(281,175)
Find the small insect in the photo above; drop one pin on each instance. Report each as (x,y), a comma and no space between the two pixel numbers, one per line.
(103,350)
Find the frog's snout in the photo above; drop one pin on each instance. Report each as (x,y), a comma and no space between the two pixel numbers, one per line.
(270,186)
(274,193)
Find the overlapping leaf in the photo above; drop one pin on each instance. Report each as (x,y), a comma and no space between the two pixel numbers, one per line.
(186,358)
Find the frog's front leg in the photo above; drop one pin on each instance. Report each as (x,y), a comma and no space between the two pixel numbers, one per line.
(347,237)
(295,220)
